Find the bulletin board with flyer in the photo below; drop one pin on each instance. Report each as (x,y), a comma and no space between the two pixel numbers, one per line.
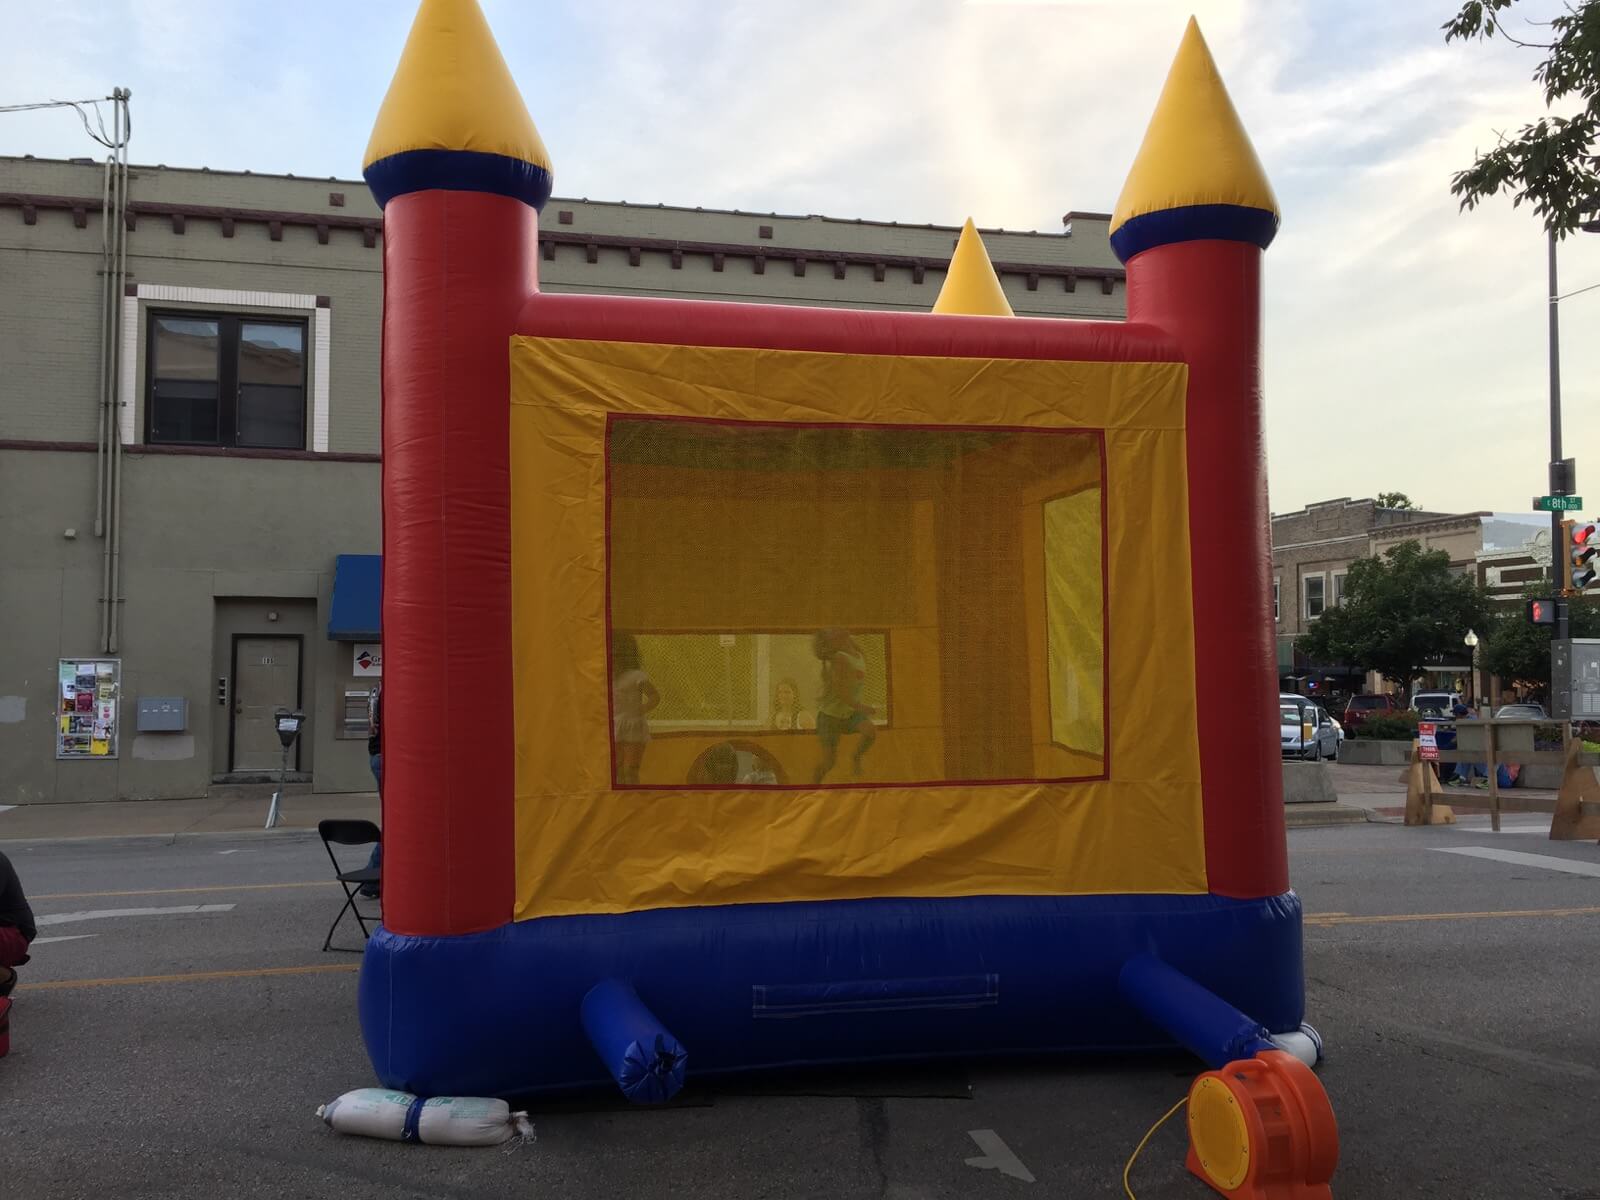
(88,700)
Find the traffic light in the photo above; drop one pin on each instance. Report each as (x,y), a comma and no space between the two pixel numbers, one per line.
(1542,612)
(1583,544)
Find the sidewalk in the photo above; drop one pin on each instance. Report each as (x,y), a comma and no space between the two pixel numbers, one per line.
(1381,792)
(174,818)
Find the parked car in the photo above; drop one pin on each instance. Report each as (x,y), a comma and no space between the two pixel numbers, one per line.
(1305,731)
(1436,704)
(1371,704)
(1338,730)
(1524,712)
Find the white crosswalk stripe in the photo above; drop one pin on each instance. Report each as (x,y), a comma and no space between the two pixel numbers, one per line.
(1518,858)
(98,914)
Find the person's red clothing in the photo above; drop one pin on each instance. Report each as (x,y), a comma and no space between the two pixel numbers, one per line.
(13,947)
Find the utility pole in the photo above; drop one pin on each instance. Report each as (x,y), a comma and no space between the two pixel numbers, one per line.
(1561,481)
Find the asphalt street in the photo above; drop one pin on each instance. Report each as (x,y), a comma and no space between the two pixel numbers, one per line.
(183,1053)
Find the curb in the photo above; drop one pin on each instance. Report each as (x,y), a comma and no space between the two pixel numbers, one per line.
(1341,814)
(307,835)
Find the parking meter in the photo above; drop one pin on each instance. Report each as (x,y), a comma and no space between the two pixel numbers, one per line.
(288,726)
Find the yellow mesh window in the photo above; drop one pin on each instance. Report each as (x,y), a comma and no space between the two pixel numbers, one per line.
(1075,621)
(877,605)
(742,682)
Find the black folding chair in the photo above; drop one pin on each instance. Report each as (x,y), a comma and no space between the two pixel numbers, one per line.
(349,833)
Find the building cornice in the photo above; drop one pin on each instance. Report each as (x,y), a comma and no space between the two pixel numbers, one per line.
(798,259)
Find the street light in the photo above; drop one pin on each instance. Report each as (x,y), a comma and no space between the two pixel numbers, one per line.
(1561,480)
(1471,641)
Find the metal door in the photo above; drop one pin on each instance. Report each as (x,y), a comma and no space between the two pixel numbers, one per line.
(266,677)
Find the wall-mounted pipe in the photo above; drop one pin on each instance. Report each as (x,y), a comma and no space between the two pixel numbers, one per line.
(124,130)
(103,398)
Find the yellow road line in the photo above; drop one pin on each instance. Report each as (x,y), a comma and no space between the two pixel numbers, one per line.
(220,887)
(1341,919)
(191,977)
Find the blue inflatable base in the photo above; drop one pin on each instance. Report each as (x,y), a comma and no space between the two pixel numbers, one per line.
(762,986)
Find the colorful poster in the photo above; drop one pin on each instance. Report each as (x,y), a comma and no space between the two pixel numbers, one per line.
(368,661)
(86,718)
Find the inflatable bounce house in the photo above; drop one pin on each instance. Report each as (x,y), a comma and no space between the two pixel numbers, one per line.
(770,686)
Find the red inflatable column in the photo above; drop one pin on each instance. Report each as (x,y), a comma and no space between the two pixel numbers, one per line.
(460,173)
(458,265)
(1207,295)
(1193,219)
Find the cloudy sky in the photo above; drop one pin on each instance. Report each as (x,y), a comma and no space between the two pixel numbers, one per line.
(1405,341)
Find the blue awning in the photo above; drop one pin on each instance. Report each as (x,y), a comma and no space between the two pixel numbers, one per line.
(357,598)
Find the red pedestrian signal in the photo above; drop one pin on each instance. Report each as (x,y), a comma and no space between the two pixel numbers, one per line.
(1542,612)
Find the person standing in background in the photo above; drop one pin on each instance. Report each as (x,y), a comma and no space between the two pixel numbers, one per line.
(375,759)
(840,710)
(633,699)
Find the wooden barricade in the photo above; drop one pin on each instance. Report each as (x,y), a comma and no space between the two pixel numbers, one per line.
(1422,785)
(1575,812)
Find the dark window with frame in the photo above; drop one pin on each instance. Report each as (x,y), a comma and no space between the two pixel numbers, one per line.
(222,379)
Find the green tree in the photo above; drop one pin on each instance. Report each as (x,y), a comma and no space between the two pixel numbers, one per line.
(1395,500)
(1398,613)
(1514,648)
(1551,163)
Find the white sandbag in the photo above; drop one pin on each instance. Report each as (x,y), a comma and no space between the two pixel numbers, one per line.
(441,1121)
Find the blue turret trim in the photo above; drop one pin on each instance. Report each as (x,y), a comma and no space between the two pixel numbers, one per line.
(458,171)
(1194,223)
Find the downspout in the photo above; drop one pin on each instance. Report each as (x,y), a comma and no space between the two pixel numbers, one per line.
(104,399)
(114,533)
(113,218)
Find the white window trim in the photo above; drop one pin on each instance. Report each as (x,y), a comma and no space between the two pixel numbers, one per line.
(1305,598)
(321,345)
(1335,595)
(1277,599)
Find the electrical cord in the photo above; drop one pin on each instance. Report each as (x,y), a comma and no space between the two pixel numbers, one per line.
(1149,1133)
(78,107)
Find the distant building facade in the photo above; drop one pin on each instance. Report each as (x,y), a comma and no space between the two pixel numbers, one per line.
(1312,550)
(1505,574)
(190,442)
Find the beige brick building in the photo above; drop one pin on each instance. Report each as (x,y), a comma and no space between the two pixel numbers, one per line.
(1312,550)
(189,448)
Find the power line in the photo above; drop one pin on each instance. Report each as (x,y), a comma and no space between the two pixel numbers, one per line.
(1579,292)
(82,108)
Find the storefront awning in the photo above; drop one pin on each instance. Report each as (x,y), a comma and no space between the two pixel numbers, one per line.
(357,598)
